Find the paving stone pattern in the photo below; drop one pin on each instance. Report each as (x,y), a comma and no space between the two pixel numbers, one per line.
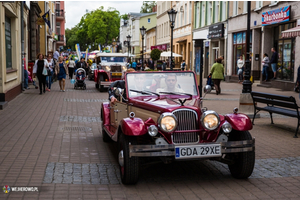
(81,173)
(85,100)
(79,119)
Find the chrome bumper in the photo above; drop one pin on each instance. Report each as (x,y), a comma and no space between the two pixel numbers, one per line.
(106,83)
(169,150)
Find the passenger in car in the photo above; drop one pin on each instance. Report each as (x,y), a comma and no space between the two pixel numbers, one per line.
(171,82)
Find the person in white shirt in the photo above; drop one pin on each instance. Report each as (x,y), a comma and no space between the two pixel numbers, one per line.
(71,66)
(240,65)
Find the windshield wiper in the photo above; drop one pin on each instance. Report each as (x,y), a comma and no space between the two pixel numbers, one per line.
(144,92)
(176,93)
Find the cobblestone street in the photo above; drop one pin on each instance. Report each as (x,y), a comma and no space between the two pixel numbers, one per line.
(54,142)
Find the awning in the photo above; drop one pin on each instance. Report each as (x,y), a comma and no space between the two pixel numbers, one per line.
(293,32)
(168,54)
(180,41)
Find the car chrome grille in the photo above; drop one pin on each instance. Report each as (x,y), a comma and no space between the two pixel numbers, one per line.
(115,68)
(187,120)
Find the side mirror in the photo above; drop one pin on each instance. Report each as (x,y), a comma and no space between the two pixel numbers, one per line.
(207,89)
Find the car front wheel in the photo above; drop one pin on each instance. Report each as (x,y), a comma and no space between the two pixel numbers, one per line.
(129,167)
(243,162)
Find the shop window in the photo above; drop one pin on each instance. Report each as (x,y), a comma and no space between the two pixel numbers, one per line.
(285,48)
(8,42)
(239,48)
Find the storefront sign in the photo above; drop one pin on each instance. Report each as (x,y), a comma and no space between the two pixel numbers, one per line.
(276,16)
(216,31)
(162,47)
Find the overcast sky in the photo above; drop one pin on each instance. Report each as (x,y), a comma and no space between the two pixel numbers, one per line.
(76,9)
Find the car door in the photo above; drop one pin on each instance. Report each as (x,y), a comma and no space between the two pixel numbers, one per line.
(118,111)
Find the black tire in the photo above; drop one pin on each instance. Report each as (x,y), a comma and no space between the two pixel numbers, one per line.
(101,87)
(130,171)
(243,162)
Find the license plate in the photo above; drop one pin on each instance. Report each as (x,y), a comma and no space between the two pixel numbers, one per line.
(198,151)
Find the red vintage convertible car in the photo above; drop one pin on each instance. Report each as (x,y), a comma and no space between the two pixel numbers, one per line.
(160,114)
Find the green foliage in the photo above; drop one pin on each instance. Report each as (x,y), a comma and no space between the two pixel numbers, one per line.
(125,17)
(98,26)
(155,54)
(147,6)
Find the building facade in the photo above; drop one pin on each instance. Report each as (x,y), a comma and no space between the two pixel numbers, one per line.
(209,34)
(182,33)
(60,24)
(163,37)
(268,20)
(11,55)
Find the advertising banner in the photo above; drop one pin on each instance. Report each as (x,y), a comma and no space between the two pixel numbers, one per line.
(276,16)
(86,54)
(77,47)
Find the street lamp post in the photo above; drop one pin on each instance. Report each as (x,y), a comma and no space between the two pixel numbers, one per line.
(247,85)
(143,31)
(172,15)
(128,43)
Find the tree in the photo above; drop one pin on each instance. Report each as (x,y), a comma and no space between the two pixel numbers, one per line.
(124,17)
(98,26)
(147,6)
(155,54)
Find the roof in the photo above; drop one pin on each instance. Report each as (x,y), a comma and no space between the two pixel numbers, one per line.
(112,54)
(138,15)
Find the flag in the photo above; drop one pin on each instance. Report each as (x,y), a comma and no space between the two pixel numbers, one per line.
(77,47)
(99,47)
(46,18)
(86,54)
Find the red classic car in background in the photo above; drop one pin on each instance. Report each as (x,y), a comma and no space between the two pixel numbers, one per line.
(111,67)
(160,114)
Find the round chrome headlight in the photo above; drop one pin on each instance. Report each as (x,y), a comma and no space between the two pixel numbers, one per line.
(107,68)
(210,120)
(227,128)
(124,68)
(152,130)
(167,122)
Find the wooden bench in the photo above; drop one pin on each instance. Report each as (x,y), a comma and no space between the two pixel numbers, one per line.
(283,105)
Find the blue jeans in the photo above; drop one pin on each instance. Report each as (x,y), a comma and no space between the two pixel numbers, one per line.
(265,71)
(25,78)
(274,67)
(49,80)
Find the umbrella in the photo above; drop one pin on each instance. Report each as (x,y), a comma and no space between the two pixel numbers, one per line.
(168,54)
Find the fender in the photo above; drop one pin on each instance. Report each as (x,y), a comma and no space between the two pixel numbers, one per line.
(133,127)
(101,71)
(239,122)
(105,111)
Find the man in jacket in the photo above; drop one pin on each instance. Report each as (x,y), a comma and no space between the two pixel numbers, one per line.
(151,64)
(274,60)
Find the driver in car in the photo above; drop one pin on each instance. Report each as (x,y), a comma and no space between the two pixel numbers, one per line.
(172,86)
(139,85)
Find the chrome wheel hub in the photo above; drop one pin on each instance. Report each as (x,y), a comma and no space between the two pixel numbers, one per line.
(121,158)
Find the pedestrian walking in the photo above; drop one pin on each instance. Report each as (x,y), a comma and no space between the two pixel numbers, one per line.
(26,76)
(71,67)
(133,65)
(274,60)
(61,71)
(50,74)
(38,69)
(138,65)
(240,65)
(151,64)
(217,72)
(265,63)
(182,65)
(164,65)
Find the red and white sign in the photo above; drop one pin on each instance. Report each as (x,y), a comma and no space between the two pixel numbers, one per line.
(276,16)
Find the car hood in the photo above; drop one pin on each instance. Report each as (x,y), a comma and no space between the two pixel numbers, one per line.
(165,104)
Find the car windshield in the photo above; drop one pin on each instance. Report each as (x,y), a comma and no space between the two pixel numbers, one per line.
(94,66)
(161,83)
(113,59)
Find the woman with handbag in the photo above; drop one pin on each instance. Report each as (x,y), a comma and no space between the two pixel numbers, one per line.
(40,70)
(61,70)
